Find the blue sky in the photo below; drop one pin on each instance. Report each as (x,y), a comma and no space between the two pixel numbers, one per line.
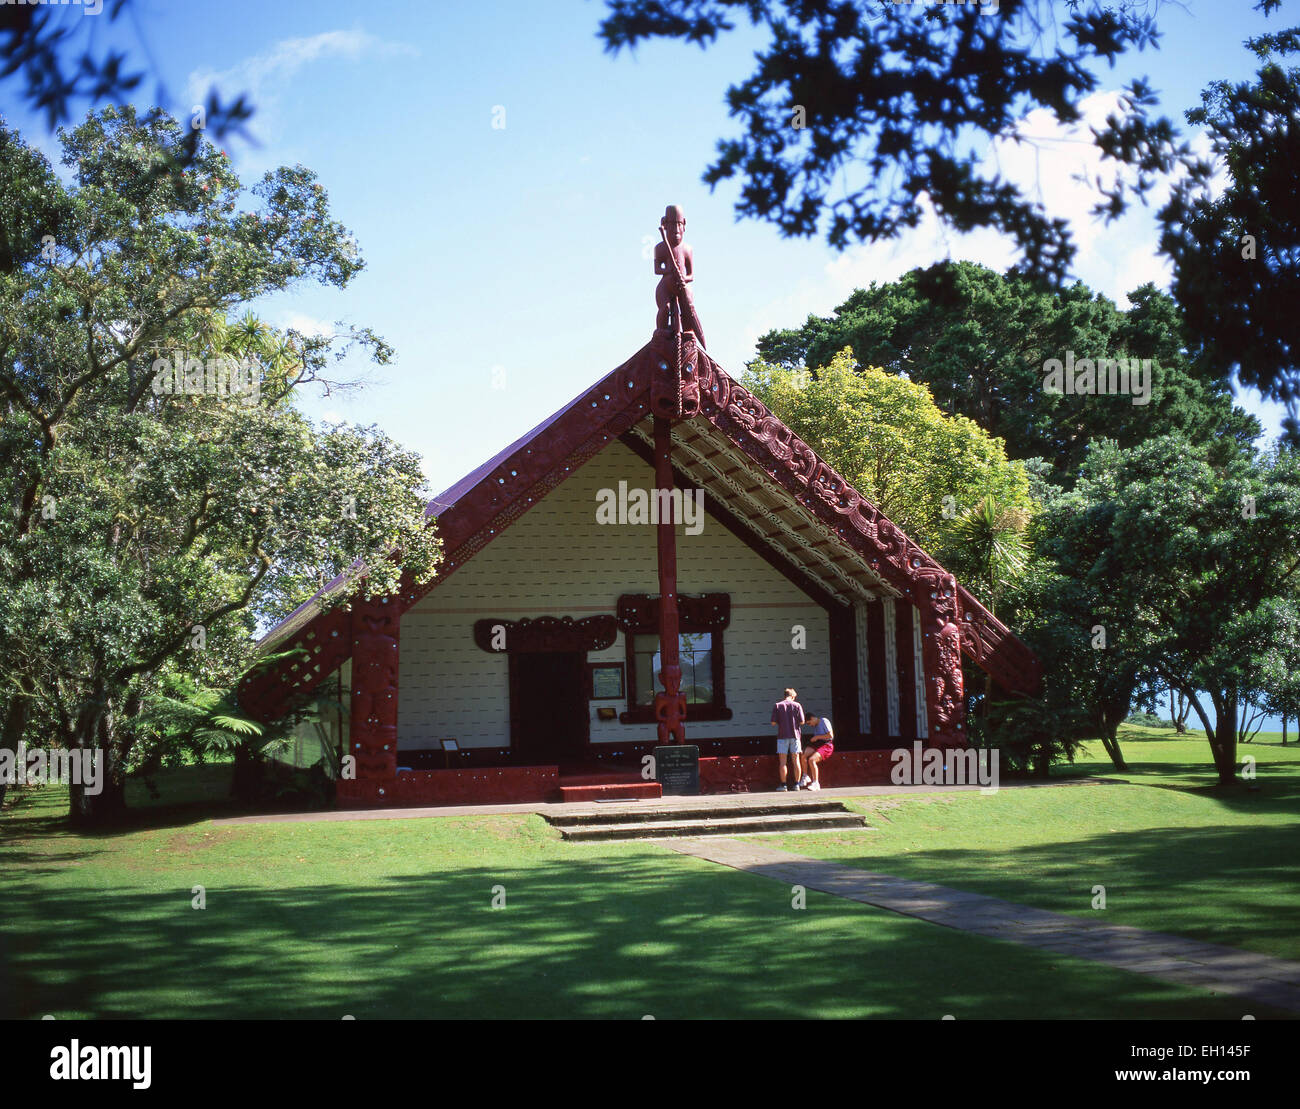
(509,266)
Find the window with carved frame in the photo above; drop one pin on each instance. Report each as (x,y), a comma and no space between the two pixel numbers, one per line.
(701,623)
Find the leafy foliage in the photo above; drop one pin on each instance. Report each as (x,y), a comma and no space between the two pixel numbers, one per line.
(979,340)
(890,440)
(1236,253)
(151,532)
(856,111)
(1190,569)
(50,51)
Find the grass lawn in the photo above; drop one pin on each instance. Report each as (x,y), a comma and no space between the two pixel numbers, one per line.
(394,918)
(1174,852)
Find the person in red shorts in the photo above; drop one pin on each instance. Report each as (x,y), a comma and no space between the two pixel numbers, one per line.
(819,749)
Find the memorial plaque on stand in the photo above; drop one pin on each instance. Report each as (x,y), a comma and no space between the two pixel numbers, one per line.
(677,768)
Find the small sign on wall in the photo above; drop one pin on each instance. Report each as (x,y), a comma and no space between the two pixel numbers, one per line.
(605,681)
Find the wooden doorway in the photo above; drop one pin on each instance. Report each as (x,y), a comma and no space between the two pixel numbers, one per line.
(548,707)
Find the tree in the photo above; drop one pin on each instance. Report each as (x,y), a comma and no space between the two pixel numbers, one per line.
(1236,253)
(1186,570)
(986,549)
(887,436)
(858,110)
(153,520)
(1280,686)
(979,341)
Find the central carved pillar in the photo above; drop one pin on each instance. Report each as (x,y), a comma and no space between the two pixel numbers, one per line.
(372,728)
(670,705)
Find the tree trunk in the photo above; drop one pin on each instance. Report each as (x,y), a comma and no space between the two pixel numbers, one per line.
(1284,729)
(15,722)
(1110,740)
(1109,715)
(249,775)
(91,811)
(1224,742)
(1222,734)
(108,807)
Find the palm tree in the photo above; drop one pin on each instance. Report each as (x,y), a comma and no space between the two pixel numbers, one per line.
(991,553)
(992,547)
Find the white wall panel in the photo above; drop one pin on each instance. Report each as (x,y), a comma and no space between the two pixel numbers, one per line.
(558,561)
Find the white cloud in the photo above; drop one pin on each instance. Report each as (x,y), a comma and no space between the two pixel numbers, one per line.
(307,325)
(262,77)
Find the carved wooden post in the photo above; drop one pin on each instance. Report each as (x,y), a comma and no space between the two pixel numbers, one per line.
(670,705)
(945,698)
(372,735)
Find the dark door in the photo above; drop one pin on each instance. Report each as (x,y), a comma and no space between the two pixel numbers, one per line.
(548,707)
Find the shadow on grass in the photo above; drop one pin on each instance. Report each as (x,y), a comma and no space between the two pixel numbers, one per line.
(1205,882)
(614,937)
(187,795)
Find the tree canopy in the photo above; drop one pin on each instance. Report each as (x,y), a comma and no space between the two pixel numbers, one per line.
(920,467)
(1187,568)
(858,109)
(979,341)
(164,495)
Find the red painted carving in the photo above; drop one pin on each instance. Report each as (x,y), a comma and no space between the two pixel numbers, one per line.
(547,633)
(373,723)
(638,613)
(454,787)
(670,702)
(945,702)
(674,261)
(321,646)
(674,381)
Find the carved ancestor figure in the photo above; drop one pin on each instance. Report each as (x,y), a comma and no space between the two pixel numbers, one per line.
(670,706)
(675,263)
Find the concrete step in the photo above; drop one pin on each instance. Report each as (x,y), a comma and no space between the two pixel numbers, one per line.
(702,812)
(683,824)
(610,791)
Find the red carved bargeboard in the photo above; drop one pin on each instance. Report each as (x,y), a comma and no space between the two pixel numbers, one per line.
(950,615)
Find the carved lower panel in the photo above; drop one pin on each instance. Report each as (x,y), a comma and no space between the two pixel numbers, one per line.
(918,685)
(864,667)
(941,647)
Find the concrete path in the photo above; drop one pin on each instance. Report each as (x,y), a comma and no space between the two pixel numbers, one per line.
(1205,966)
